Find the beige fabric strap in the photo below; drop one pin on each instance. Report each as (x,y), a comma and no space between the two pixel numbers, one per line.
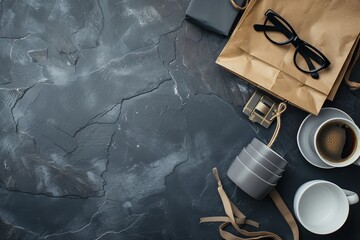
(248,235)
(227,219)
(281,108)
(281,206)
(235,217)
(228,205)
(239,7)
(353,85)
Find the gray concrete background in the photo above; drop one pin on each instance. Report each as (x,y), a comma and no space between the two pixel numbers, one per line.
(113,114)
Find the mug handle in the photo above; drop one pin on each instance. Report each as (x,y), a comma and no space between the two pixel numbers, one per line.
(351,197)
(357,162)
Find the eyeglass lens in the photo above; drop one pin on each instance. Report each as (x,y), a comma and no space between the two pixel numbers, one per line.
(278,30)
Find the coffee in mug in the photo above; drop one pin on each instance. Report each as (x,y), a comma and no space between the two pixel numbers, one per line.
(336,141)
(331,139)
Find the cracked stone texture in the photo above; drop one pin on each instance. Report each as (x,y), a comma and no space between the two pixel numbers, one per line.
(113,114)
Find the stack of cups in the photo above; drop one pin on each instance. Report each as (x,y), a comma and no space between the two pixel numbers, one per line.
(257,169)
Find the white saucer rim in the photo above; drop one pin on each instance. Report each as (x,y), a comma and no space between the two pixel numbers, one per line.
(301,150)
(301,127)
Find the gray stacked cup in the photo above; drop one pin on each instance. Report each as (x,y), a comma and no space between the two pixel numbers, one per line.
(257,169)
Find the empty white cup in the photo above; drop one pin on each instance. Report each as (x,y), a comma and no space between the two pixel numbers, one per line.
(322,207)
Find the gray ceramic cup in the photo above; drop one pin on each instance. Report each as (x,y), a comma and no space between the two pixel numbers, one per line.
(263,161)
(257,167)
(268,153)
(248,181)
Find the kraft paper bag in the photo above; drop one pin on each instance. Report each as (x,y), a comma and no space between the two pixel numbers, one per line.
(332,26)
(343,71)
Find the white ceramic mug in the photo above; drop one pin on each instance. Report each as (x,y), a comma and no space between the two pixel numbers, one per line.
(354,158)
(322,207)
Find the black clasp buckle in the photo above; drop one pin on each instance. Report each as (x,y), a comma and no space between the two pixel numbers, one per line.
(260,109)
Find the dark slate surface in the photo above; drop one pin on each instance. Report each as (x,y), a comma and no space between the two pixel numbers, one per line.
(113,114)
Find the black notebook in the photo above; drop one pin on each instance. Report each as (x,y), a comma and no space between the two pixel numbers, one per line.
(214,15)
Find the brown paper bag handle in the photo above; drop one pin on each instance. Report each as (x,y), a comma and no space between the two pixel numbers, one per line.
(236,218)
(239,7)
(352,84)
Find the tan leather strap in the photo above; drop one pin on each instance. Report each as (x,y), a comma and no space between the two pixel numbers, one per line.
(248,235)
(239,7)
(281,108)
(353,85)
(228,205)
(235,217)
(227,219)
(285,212)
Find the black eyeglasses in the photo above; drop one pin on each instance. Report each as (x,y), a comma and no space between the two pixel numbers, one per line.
(307,58)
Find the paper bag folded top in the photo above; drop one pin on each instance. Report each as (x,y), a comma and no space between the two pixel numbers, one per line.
(329,25)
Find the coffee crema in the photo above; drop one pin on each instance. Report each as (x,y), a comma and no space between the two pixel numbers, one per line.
(336,142)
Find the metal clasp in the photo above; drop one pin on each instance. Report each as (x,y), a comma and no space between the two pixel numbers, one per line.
(260,109)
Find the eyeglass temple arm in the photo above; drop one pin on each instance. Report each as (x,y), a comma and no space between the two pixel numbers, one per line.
(278,27)
(270,28)
(309,63)
(261,27)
